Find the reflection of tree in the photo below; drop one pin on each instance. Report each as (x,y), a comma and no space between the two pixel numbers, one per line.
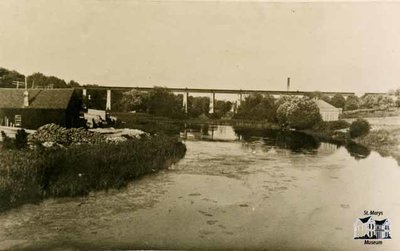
(294,141)
(297,142)
(357,151)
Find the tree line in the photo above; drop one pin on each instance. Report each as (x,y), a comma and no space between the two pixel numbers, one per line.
(8,79)
(161,102)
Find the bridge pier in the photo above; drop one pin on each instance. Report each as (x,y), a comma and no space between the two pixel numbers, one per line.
(212,103)
(238,102)
(185,101)
(108,101)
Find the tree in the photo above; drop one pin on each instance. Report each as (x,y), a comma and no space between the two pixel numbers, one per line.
(198,106)
(164,103)
(397,102)
(352,103)
(359,127)
(222,107)
(39,80)
(7,77)
(257,107)
(73,84)
(283,99)
(368,101)
(338,101)
(318,95)
(384,102)
(281,113)
(134,100)
(303,114)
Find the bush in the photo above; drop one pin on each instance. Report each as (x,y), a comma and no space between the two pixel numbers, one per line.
(338,101)
(21,139)
(299,113)
(358,128)
(352,103)
(8,143)
(281,113)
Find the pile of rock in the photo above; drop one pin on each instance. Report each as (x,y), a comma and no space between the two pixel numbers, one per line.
(120,135)
(51,134)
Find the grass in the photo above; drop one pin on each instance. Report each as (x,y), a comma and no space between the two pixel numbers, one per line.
(149,123)
(371,113)
(383,141)
(32,175)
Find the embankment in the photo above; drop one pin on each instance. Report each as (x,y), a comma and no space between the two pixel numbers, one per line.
(28,176)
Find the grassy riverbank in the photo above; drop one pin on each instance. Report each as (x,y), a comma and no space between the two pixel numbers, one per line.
(385,142)
(371,113)
(31,175)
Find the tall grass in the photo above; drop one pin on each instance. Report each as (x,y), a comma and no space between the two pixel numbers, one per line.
(31,175)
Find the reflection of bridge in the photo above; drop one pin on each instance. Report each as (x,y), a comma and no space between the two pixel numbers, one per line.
(212,92)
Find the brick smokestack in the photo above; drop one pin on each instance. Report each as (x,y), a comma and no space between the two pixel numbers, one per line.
(288,84)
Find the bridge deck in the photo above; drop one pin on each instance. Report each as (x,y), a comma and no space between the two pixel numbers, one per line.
(199,90)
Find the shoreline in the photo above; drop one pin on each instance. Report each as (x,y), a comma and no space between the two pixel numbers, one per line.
(330,136)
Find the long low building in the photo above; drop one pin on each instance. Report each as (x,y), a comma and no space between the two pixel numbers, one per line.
(33,108)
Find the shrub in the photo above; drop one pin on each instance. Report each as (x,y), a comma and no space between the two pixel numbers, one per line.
(358,128)
(8,143)
(378,138)
(338,101)
(21,139)
(281,113)
(299,113)
(352,103)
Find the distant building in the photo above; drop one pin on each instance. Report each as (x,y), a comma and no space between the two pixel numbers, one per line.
(368,228)
(328,112)
(33,108)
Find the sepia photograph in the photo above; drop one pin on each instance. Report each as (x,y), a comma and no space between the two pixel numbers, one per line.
(199,125)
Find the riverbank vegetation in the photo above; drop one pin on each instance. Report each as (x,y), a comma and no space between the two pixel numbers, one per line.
(384,141)
(30,175)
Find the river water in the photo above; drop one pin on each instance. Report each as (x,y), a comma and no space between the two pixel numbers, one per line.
(256,189)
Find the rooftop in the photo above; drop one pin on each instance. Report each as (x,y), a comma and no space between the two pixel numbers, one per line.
(364,220)
(38,98)
(324,105)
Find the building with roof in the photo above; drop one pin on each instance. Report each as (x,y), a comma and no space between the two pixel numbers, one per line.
(328,112)
(368,228)
(32,108)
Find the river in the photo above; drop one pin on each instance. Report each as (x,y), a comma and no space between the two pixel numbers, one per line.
(255,189)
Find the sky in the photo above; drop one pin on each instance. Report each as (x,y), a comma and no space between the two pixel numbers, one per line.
(239,45)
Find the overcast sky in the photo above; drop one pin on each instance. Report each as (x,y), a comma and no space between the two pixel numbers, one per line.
(247,45)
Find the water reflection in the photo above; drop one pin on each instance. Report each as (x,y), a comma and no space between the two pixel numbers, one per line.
(357,151)
(296,142)
(208,132)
